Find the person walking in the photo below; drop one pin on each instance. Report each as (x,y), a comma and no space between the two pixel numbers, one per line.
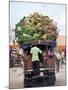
(58,59)
(35,59)
(63,57)
(21,55)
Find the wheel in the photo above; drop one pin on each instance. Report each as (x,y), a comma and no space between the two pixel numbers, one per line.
(27,83)
(51,80)
(11,64)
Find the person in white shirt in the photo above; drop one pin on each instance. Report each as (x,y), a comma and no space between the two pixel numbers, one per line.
(58,59)
(21,54)
(63,57)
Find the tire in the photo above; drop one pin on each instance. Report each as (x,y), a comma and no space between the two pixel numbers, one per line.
(11,64)
(51,80)
(27,83)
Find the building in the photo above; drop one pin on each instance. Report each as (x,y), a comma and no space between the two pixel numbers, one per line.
(61,42)
(11,36)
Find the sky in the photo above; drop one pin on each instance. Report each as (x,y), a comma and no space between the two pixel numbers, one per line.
(55,11)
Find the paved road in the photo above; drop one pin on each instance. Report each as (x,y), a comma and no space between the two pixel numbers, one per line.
(61,77)
(17,77)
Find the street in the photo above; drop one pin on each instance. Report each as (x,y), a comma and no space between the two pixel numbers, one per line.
(60,77)
(17,77)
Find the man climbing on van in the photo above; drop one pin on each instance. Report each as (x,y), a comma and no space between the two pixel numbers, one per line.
(35,59)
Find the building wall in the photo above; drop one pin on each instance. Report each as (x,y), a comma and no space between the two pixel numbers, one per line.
(61,42)
(11,35)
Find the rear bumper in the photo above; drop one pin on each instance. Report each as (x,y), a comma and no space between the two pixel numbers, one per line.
(47,73)
(36,77)
(41,69)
